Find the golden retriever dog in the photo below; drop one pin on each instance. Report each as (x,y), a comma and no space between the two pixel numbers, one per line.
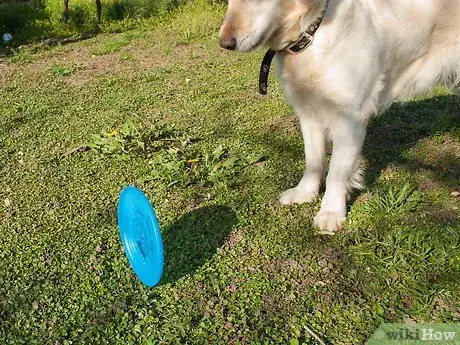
(341,62)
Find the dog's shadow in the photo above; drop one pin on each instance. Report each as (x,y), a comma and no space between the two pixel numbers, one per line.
(194,238)
(392,134)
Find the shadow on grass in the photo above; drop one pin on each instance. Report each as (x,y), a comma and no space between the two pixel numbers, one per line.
(194,238)
(402,127)
(5,51)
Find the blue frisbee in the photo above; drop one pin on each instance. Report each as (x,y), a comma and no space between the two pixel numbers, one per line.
(140,235)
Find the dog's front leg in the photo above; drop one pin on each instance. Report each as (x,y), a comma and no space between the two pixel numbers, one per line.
(314,136)
(344,172)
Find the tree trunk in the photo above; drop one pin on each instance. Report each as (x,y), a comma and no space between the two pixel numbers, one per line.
(98,12)
(65,12)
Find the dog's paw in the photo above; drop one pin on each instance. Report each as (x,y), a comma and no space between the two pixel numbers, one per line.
(329,222)
(297,196)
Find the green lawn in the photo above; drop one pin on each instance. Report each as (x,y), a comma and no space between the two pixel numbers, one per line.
(240,268)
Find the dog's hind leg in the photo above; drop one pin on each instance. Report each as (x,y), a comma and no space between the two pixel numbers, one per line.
(344,172)
(314,136)
(455,88)
(453,83)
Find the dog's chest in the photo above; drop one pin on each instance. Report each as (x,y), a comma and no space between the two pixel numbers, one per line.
(300,78)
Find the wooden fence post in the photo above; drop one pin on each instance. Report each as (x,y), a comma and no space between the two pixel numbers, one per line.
(98,12)
(65,12)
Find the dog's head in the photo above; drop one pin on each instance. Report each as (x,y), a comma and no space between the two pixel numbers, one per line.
(251,23)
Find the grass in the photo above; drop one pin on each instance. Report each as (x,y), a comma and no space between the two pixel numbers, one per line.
(75,127)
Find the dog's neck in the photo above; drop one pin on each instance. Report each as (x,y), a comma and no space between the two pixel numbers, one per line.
(308,28)
(309,24)
(293,24)
(317,10)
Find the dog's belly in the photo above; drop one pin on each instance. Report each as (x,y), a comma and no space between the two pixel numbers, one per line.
(440,64)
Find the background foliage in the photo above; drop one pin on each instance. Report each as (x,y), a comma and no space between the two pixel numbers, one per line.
(35,20)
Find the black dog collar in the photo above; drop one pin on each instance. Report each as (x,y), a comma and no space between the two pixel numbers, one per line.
(296,47)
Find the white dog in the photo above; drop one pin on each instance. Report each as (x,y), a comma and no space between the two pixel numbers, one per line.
(339,63)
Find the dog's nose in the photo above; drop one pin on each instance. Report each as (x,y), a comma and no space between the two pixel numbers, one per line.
(227,42)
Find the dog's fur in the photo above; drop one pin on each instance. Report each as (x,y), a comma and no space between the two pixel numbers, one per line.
(365,55)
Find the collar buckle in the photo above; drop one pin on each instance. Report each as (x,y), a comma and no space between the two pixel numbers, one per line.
(299,46)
